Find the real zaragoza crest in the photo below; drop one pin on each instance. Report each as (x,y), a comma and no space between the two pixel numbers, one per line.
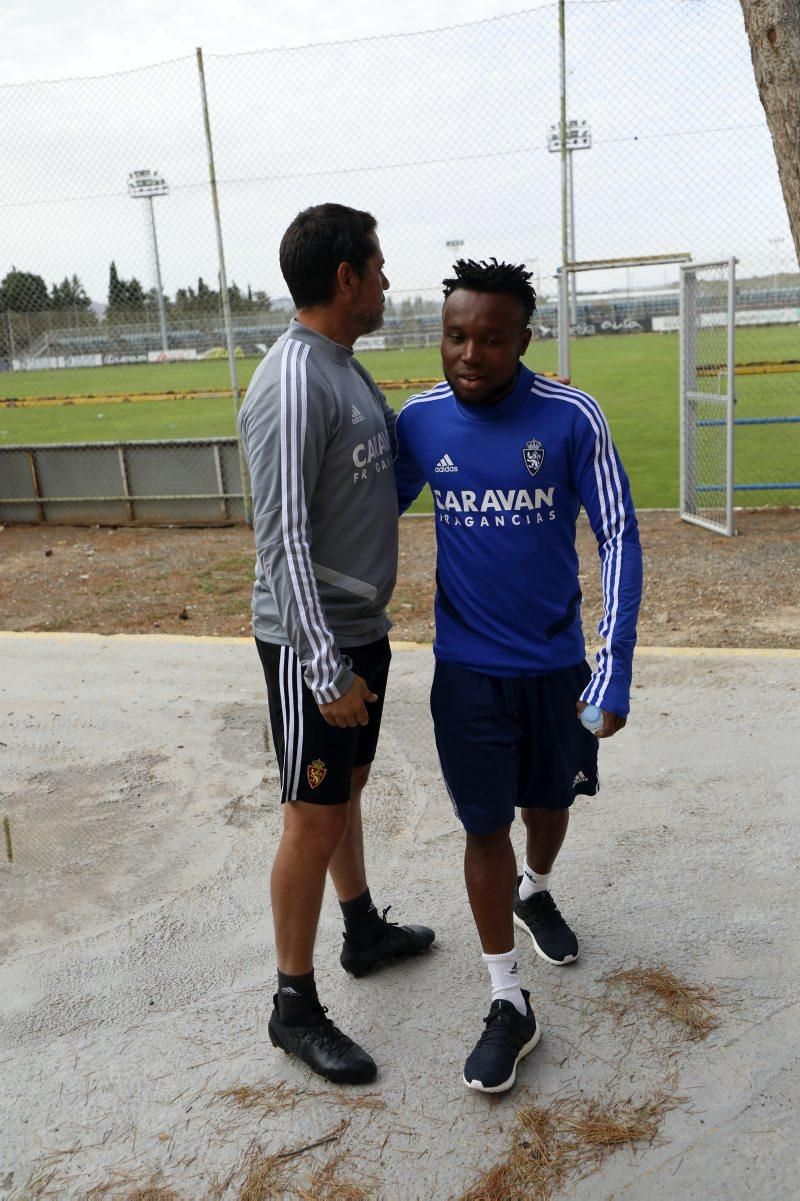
(533,454)
(316,773)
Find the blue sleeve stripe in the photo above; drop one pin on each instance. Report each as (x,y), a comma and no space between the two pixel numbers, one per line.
(612,513)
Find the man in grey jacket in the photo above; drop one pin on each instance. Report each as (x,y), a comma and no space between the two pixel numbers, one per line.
(319,441)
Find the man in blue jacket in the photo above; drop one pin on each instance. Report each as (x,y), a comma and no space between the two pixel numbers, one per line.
(511,457)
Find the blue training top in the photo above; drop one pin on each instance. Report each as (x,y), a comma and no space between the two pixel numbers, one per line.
(508,481)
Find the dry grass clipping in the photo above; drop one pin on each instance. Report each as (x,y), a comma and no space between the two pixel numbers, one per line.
(274,1097)
(371,1102)
(327,1184)
(567,1140)
(691,1007)
(153,1190)
(38,1184)
(266,1176)
(268,1098)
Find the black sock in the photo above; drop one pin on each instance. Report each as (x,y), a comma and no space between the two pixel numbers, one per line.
(362,922)
(296,994)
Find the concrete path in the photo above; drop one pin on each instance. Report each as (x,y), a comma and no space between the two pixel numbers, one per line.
(136,942)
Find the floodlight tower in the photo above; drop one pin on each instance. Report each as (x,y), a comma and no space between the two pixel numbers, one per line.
(145,185)
(532,264)
(778,244)
(578,137)
(454,245)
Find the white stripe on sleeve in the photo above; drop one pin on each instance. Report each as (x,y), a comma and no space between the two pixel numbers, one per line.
(294,518)
(613,527)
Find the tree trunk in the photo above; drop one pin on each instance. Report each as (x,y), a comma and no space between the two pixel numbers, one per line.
(773,29)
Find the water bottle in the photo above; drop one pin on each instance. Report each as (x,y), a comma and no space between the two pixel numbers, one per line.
(592,718)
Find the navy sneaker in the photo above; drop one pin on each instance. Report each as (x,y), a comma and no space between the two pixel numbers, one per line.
(508,1037)
(387,940)
(313,1037)
(550,934)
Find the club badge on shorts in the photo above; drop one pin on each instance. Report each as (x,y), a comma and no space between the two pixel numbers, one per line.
(316,773)
(533,454)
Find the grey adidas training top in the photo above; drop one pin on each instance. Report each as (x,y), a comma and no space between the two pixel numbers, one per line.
(319,441)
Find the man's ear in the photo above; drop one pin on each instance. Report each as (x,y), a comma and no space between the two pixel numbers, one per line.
(344,277)
(526,341)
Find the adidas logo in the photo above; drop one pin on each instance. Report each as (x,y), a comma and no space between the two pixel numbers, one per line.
(513,971)
(580,779)
(445,464)
(357,415)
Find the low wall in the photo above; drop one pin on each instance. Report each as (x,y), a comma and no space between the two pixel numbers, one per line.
(196,480)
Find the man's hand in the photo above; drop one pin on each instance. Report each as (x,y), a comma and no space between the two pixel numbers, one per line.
(350,709)
(612,722)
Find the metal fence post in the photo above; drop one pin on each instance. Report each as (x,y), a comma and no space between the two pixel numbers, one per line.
(563,289)
(731,349)
(688,370)
(126,488)
(223,285)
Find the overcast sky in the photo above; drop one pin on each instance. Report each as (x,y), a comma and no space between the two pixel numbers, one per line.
(442,135)
(52,39)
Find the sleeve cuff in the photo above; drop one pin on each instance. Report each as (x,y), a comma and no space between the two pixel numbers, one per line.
(342,681)
(616,699)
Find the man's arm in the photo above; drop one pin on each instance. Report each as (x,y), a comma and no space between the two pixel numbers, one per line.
(605,494)
(390,417)
(285,444)
(409,479)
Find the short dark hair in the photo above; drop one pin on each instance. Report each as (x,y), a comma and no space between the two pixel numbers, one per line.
(317,241)
(507,278)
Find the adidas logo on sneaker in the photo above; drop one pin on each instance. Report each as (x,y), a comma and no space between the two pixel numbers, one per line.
(445,464)
(357,415)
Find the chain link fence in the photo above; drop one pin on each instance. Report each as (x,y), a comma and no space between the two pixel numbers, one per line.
(109,244)
(707,396)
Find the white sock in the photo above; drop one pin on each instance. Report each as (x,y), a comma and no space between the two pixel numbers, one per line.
(532,882)
(505,980)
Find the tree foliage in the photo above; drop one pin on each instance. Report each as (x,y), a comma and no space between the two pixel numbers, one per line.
(23,292)
(204,300)
(125,296)
(69,294)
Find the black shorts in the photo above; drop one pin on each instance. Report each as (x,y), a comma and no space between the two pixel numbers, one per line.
(508,742)
(315,759)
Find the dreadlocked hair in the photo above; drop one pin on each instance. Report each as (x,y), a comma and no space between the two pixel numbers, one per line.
(507,278)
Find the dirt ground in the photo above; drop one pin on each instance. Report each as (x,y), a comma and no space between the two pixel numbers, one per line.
(701,589)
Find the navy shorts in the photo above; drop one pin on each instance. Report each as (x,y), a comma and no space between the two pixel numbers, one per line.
(512,742)
(315,759)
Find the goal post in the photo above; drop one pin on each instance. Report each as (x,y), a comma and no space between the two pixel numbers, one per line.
(707,373)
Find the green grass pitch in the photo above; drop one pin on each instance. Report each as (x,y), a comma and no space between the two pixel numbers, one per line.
(635,378)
